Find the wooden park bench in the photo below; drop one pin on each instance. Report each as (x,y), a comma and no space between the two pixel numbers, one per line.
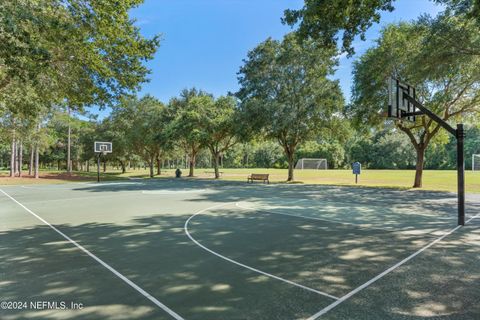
(258,176)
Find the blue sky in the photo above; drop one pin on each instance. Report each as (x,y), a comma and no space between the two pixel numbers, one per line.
(204,41)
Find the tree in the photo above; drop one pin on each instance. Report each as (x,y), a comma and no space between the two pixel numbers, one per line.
(451,39)
(285,91)
(327,20)
(452,93)
(187,125)
(219,127)
(382,150)
(85,52)
(70,52)
(324,20)
(141,121)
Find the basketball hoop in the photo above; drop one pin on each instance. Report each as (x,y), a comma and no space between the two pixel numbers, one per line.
(101,148)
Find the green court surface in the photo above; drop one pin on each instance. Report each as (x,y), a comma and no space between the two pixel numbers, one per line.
(198,249)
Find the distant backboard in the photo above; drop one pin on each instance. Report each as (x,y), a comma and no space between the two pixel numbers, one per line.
(397,105)
(103,147)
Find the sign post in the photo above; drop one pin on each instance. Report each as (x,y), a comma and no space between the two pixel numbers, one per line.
(98,167)
(357,169)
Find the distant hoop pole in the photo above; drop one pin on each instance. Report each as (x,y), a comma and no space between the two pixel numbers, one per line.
(101,148)
(98,167)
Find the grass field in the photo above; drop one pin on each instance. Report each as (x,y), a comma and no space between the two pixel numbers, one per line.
(435,180)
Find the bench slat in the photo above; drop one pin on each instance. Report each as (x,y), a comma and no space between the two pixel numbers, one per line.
(258,176)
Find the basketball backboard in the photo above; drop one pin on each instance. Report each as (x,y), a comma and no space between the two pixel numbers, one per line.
(103,147)
(398,107)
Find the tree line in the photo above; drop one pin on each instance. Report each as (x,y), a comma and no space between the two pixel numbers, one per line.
(60,57)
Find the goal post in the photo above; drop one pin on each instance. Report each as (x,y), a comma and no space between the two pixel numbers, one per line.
(475,162)
(311,163)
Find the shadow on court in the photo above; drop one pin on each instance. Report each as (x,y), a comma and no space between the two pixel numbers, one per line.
(393,208)
(39,265)
(154,252)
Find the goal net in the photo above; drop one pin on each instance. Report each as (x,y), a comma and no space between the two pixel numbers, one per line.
(476,162)
(306,163)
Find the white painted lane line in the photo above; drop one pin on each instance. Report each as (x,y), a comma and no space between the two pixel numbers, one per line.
(384,273)
(84,198)
(241,264)
(78,185)
(97,184)
(111,269)
(169,192)
(315,218)
(49,188)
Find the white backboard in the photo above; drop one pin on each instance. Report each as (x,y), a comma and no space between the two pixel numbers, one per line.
(103,147)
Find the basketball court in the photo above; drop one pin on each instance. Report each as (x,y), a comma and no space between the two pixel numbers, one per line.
(193,249)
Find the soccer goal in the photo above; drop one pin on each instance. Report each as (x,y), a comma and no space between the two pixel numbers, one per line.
(306,163)
(476,162)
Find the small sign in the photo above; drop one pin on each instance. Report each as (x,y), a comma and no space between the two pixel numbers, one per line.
(357,167)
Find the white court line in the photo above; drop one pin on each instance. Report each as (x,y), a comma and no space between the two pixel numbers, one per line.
(185,191)
(244,265)
(111,269)
(384,273)
(315,218)
(53,188)
(81,185)
(95,184)
(82,198)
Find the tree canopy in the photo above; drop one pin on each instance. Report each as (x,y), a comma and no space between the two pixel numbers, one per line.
(286,93)
(83,52)
(452,93)
(329,20)
(324,20)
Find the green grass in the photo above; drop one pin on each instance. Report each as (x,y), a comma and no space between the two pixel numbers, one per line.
(442,180)
(436,180)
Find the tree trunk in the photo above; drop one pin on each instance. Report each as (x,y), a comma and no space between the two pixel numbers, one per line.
(419,167)
(88,166)
(122,165)
(216,157)
(15,158)
(30,167)
(291,165)
(104,166)
(192,165)
(35,169)
(12,159)
(151,165)
(159,166)
(20,159)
